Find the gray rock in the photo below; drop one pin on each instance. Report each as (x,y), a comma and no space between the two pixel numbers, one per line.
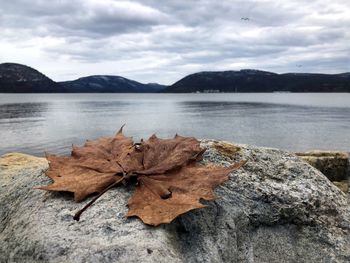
(332,164)
(275,209)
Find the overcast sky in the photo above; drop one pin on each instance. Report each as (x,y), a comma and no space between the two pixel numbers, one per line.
(162,41)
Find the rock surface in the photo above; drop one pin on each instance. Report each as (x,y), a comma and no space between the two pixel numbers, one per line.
(277,208)
(342,185)
(332,164)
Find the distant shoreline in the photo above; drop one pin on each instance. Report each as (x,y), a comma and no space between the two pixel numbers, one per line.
(267,92)
(17,78)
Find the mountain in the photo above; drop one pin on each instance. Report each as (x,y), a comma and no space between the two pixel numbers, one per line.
(19,78)
(105,83)
(248,80)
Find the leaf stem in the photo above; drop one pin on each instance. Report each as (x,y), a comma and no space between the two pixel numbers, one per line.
(78,214)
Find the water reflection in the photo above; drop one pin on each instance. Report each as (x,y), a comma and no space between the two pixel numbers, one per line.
(22,110)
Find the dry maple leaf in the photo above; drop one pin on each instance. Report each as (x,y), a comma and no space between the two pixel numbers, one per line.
(94,166)
(169,180)
(161,198)
(163,155)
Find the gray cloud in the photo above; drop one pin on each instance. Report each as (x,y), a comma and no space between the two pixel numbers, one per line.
(162,41)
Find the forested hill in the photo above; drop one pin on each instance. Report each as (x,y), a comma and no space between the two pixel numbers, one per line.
(106,83)
(15,78)
(19,78)
(261,81)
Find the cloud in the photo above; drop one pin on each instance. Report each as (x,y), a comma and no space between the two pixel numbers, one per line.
(162,41)
(85,18)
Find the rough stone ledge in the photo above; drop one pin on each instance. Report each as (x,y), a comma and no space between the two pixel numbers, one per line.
(333,164)
(277,208)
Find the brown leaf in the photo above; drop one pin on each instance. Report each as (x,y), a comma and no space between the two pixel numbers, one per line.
(94,166)
(110,151)
(159,199)
(71,175)
(170,182)
(162,155)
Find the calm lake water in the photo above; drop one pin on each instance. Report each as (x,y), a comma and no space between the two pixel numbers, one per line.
(35,123)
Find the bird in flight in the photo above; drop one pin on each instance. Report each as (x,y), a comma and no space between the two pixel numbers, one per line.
(299,66)
(245,18)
